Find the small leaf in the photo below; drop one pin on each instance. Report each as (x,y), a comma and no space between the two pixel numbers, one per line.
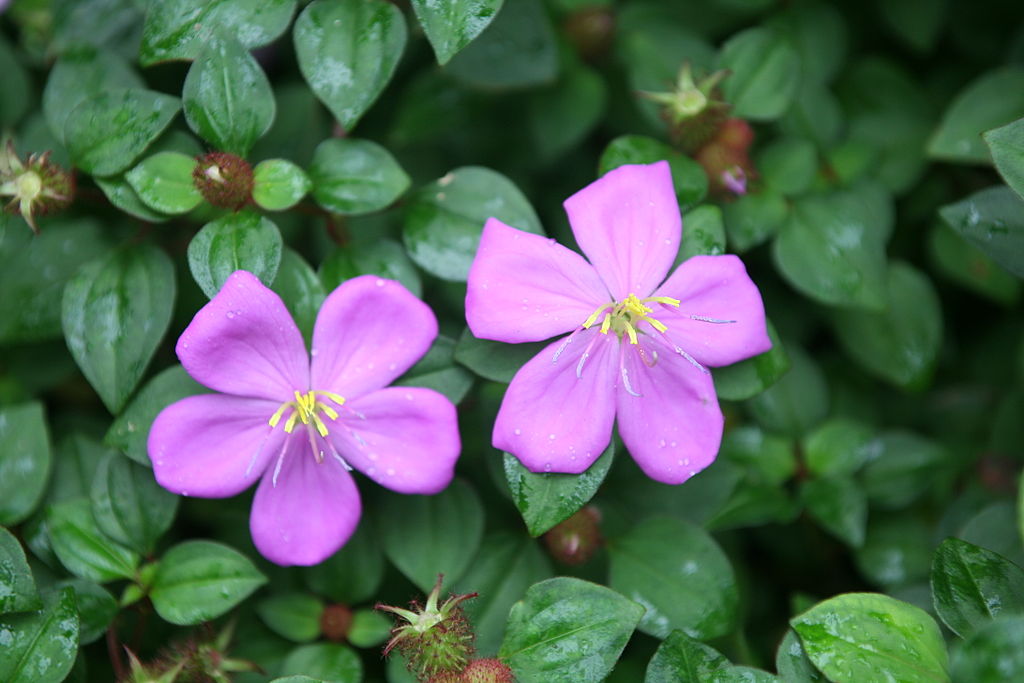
(972,586)
(278,184)
(382,257)
(704,233)
(560,116)
(788,165)
(17,587)
(545,499)
(903,466)
(128,505)
(25,460)
(164,183)
(437,370)
(115,313)
(993,99)
(993,654)
(40,647)
(294,616)
(839,505)
(1006,145)
(96,607)
(765,73)
(326,662)
(354,573)
(839,447)
(681,659)
(353,177)
(754,218)
(750,377)
(970,267)
(493,360)
(196,581)
(792,663)
(451,26)
(795,403)
(348,51)
(238,241)
(992,220)
(370,628)
(83,548)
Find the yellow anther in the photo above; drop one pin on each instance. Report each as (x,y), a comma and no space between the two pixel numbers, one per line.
(337,398)
(626,314)
(635,306)
(306,409)
(595,315)
(667,300)
(632,333)
(290,424)
(606,323)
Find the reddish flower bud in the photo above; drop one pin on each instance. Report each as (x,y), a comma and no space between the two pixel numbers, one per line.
(487,671)
(224,180)
(575,540)
(590,30)
(335,622)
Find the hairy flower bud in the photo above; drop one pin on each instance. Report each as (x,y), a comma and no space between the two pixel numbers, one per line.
(224,180)
(487,671)
(36,186)
(575,540)
(692,109)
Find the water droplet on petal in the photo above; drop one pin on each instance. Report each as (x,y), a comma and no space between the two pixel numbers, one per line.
(229,315)
(380,282)
(391,472)
(518,432)
(551,436)
(547,467)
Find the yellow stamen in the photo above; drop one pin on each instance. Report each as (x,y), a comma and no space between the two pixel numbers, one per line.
(625,315)
(632,333)
(306,409)
(606,323)
(594,316)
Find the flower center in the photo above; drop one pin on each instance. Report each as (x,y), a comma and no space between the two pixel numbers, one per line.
(625,315)
(306,408)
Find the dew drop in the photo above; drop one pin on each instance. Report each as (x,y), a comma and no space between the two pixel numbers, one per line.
(229,315)
(391,472)
(374,456)
(547,467)
(518,432)
(662,443)
(392,366)
(551,436)
(380,282)
(673,444)
(408,396)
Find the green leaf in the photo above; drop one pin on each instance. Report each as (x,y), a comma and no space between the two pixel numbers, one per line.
(370,628)
(972,586)
(83,548)
(197,581)
(917,22)
(687,584)
(688,177)
(429,535)
(561,115)
(750,377)
(566,630)
(17,588)
(451,26)
(108,131)
(505,567)
(765,458)
(839,505)
(993,99)
(96,607)
(327,662)
(382,257)
(75,462)
(903,466)
(792,663)
(765,74)
(227,99)
(1006,144)
(178,29)
(15,93)
(113,23)
(300,289)
(121,195)
(819,34)
(238,241)
(353,177)
(993,654)
(897,551)
(493,360)
(34,270)
(788,165)
(164,183)
(832,249)
(437,370)
(348,51)
(278,184)
(446,218)
(128,505)
(545,499)
(838,447)
(795,403)
(681,659)
(968,266)
(115,313)
(517,50)
(992,220)
(24,460)
(295,616)
(900,344)
(354,573)
(754,218)
(703,233)
(40,647)
(861,636)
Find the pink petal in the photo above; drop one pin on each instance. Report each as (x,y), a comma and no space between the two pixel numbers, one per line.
(311,511)
(674,428)
(212,445)
(627,224)
(715,288)
(524,287)
(369,331)
(244,342)
(552,419)
(404,438)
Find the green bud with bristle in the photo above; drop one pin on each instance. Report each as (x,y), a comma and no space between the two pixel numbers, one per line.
(36,186)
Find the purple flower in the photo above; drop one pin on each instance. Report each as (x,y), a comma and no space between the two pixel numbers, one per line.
(300,426)
(640,344)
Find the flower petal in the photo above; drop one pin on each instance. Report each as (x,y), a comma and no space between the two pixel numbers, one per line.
(369,331)
(212,445)
(404,438)
(674,428)
(244,342)
(523,287)
(714,288)
(627,224)
(554,420)
(311,511)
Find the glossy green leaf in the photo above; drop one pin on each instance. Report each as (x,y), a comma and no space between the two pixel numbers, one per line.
(164,182)
(967,265)
(858,636)
(83,548)
(545,499)
(903,467)
(765,73)
(199,580)
(839,505)
(102,23)
(96,607)
(227,99)
(750,377)
(687,584)
(354,177)
(839,447)
(681,659)
(115,312)
(972,586)
(238,241)
(445,218)
(1006,144)
(128,505)
(40,647)
(792,663)
(109,130)
(688,177)
(348,51)
(121,194)
(493,360)
(278,184)
(992,220)
(994,654)
(991,100)
(300,289)
(327,662)
(382,257)
(795,403)
(295,616)
(566,630)
(17,587)
(703,233)
(429,535)
(25,460)
(754,218)
(451,26)
(353,574)
(179,29)
(371,628)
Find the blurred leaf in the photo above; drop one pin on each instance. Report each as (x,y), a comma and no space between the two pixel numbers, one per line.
(750,377)
(96,607)
(83,548)
(839,505)
(370,628)
(566,630)
(353,177)
(972,586)
(765,73)
(15,90)
(796,402)
(819,34)
(788,165)
(993,654)
(278,184)
(545,499)
(1006,144)
(164,182)
(327,662)
(754,218)
(353,574)
(688,177)
(703,233)
(992,528)
(679,574)
(816,115)
(40,647)
(128,505)
(196,581)
(300,289)
(917,22)
(238,241)
(897,551)
(115,312)
(560,116)
(348,51)
(25,460)
(792,663)
(116,24)
(992,220)
(437,370)
(839,447)
(295,616)
(493,360)
(857,636)
(445,218)
(766,458)
(991,100)
(451,26)
(17,587)
(902,467)
(969,266)
(382,257)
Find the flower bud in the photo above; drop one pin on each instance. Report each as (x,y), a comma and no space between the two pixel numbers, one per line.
(590,30)
(575,540)
(224,180)
(335,622)
(36,186)
(726,159)
(487,671)
(692,110)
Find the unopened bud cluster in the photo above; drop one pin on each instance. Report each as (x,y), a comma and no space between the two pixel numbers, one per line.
(36,186)
(224,180)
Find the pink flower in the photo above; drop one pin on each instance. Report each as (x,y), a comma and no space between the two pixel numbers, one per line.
(300,426)
(640,344)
